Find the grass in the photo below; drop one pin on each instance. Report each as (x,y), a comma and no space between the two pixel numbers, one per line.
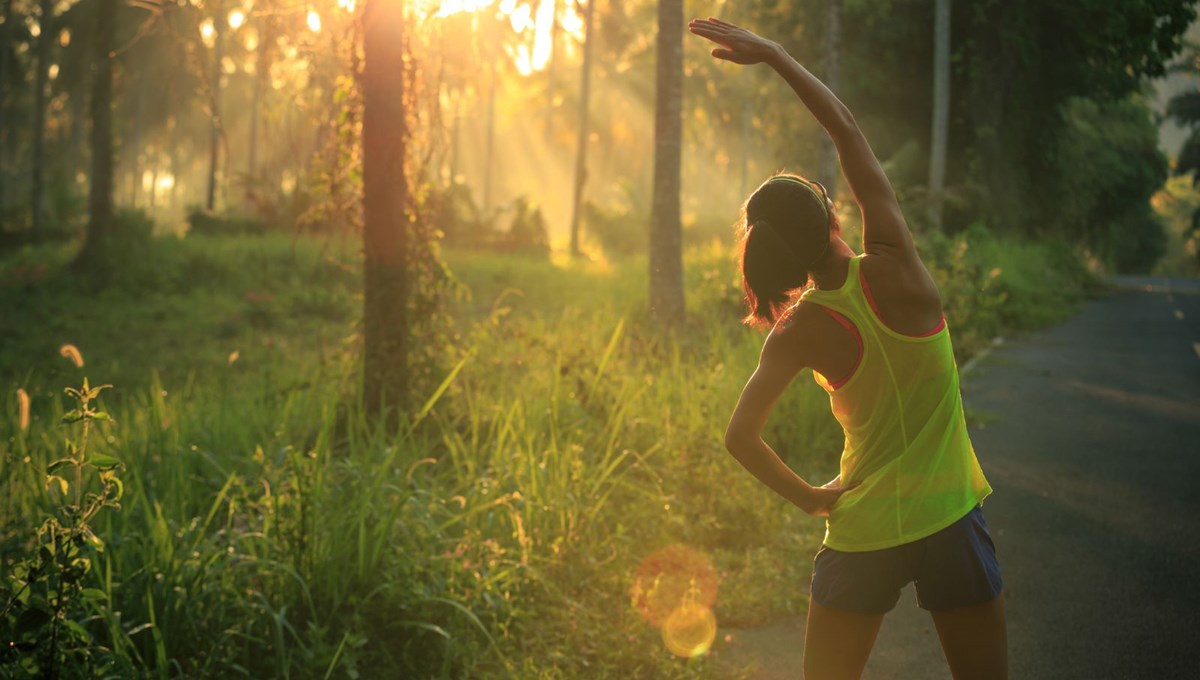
(269,529)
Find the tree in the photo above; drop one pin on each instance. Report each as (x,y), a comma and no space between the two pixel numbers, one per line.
(584,95)
(46,26)
(666,259)
(5,46)
(386,202)
(215,102)
(828,169)
(100,194)
(941,110)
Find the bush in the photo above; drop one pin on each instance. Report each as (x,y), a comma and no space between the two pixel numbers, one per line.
(230,224)
(619,230)
(527,231)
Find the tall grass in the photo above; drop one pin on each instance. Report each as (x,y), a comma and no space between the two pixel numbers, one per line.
(270,529)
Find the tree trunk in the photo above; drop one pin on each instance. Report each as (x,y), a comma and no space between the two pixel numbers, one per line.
(100,194)
(385,210)
(4,47)
(134,154)
(584,97)
(666,256)
(215,99)
(489,158)
(550,63)
(46,24)
(941,110)
(827,172)
(261,67)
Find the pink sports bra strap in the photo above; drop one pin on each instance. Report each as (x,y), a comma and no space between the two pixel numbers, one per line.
(862,278)
(848,325)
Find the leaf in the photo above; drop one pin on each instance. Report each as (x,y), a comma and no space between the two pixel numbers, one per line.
(32,619)
(95,391)
(93,594)
(103,462)
(62,483)
(120,489)
(93,540)
(437,630)
(101,415)
(72,416)
(81,633)
(58,465)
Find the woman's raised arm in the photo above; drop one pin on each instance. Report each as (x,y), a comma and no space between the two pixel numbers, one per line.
(884,228)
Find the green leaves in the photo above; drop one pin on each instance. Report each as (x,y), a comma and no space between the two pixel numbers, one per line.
(103,462)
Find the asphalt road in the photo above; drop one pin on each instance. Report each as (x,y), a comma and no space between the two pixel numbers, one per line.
(1089,432)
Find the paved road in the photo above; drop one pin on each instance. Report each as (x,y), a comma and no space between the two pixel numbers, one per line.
(1090,435)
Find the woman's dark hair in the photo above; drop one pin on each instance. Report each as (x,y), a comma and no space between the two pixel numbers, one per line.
(786,227)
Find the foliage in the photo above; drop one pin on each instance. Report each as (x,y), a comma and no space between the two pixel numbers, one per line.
(204,223)
(1178,206)
(55,620)
(527,231)
(272,530)
(1110,167)
(620,231)
(1027,65)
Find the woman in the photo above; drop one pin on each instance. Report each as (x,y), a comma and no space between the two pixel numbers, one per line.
(906,504)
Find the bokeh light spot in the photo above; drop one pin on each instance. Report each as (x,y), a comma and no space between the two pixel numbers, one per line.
(674,589)
(689,630)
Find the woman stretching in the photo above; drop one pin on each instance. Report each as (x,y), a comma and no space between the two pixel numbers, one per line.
(906,504)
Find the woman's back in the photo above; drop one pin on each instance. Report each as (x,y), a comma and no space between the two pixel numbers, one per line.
(906,445)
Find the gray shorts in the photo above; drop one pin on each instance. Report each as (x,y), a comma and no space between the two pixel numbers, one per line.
(956,567)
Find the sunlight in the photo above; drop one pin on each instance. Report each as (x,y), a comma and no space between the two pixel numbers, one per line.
(347,5)
(207,32)
(64,38)
(314,21)
(534,21)
(450,7)
(236,18)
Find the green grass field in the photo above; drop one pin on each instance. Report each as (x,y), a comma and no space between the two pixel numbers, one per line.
(268,529)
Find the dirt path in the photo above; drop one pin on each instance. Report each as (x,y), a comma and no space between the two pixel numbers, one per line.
(1090,437)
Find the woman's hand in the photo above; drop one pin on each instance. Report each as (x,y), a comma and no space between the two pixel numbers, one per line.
(737,44)
(821,499)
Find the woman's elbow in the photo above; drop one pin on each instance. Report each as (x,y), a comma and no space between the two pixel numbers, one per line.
(735,441)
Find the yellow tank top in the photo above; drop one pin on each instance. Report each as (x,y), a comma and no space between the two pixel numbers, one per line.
(906,437)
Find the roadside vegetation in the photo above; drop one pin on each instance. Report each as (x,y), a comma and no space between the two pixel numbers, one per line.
(268,529)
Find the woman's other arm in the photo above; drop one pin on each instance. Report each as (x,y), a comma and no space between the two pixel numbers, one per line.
(779,363)
(884,228)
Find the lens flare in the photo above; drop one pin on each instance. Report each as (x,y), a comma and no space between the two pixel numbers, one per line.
(674,590)
(689,630)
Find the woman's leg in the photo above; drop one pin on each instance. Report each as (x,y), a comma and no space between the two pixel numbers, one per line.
(975,640)
(837,643)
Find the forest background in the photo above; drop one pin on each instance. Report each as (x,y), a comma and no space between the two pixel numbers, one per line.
(545,493)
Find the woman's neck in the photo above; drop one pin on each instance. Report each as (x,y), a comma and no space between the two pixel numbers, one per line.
(830,272)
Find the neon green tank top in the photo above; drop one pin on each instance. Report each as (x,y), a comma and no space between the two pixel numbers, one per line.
(906,437)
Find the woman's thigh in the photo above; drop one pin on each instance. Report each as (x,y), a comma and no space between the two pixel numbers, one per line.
(837,643)
(975,639)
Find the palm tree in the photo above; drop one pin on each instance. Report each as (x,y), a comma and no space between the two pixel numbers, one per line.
(584,97)
(46,25)
(666,258)
(941,109)
(100,193)
(386,202)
